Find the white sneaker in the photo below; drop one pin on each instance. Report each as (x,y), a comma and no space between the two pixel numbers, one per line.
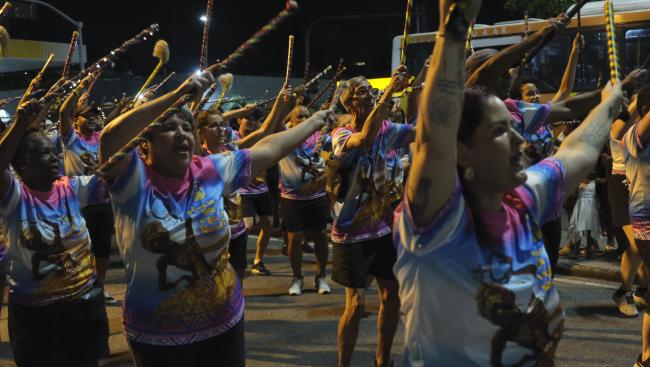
(321,286)
(296,286)
(625,303)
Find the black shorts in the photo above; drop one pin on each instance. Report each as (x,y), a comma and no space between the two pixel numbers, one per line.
(619,197)
(304,215)
(69,330)
(256,204)
(352,263)
(101,225)
(237,250)
(226,349)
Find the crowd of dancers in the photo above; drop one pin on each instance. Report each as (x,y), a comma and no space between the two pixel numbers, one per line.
(451,205)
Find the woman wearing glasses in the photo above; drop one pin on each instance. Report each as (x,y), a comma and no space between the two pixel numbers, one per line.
(212,127)
(475,279)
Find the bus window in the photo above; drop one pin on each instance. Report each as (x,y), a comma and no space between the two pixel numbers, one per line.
(549,64)
(636,49)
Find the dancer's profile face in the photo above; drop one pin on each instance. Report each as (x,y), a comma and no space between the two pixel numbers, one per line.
(494,150)
(362,100)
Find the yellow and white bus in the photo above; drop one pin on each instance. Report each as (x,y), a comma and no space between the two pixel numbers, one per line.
(633,34)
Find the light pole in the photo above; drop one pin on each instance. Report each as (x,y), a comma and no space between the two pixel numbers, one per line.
(77,24)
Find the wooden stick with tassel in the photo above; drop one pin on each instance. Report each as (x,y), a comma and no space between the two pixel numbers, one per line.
(225,82)
(161,52)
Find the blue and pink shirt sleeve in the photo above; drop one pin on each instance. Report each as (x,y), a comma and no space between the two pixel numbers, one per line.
(528,118)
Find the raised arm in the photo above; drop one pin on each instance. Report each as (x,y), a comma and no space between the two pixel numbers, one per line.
(569,77)
(282,106)
(127,126)
(69,106)
(620,127)
(273,148)
(240,112)
(28,114)
(433,170)
(372,124)
(580,150)
(580,105)
(491,72)
(643,128)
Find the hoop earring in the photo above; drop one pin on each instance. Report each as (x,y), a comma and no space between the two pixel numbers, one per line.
(468,173)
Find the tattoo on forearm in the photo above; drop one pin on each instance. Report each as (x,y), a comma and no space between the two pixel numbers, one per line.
(444,111)
(420,202)
(448,86)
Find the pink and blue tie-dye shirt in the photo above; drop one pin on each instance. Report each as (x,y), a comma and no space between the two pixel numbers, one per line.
(466,303)
(49,245)
(80,158)
(174,236)
(637,171)
(301,176)
(80,153)
(529,119)
(231,202)
(364,213)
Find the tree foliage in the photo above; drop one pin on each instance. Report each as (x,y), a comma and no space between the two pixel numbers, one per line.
(538,8)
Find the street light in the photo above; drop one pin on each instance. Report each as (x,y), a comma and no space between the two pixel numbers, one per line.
(76,24)
(203,18)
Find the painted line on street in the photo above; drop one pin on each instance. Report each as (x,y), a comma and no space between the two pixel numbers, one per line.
(586,282)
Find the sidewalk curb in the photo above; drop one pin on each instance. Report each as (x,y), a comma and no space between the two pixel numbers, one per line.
(587,271)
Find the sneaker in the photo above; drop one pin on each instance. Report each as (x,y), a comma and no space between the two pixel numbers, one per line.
(625,302)
(307,248)
(296,286)
(109,299)
(260,269)
(639,296)
(321,285)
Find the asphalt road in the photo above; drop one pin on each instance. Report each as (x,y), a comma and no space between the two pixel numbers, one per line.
(301,331)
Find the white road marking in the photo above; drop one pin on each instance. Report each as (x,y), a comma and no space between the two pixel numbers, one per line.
(577,281)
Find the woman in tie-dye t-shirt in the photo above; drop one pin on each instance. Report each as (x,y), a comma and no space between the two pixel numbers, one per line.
(56,306)
(214,134)
(475,279)
(183,304)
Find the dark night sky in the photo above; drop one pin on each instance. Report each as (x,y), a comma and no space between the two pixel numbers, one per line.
(109,23)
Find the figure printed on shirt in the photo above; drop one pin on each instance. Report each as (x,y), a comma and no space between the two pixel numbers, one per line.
(55,254)
(527,328)
(206,282)
(90,162)
(186,256)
